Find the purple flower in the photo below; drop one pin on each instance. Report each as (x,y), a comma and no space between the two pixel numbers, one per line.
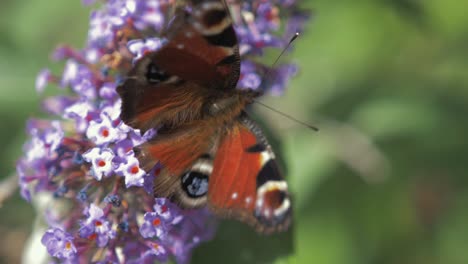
(123,148)
(43,78)
(153,226)
(149,252)
(249,77)
(148,184)
(103,130)
(149,13)
(85,88)
(92,55)
(53,136)
(131,171)
(250,80)
(70,73)
(81,112)
(101,160)
(140,46)
(96,227)
(44,142)
(59,244)
(107,91)
(167,211)
(159,222)
(57,105)
(112,111)
(36,149)
(281,76)
(156,251)
(100,28)
(23,181)
(83,153)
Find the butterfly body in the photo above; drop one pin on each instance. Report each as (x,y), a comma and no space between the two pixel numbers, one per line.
(211,152)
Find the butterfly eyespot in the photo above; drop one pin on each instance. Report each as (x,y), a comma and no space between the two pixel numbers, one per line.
(195,184)
(273,205)
(214,17)
(155,75)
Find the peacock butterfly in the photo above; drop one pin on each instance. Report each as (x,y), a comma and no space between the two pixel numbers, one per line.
(212,153)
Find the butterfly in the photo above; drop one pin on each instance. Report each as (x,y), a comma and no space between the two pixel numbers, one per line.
(212,154)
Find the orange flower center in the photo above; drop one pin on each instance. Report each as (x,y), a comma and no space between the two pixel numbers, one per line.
(156,222)
(101,163)
(134,170)
(105,133)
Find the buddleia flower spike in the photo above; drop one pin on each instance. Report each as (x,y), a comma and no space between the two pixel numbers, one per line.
(101,206)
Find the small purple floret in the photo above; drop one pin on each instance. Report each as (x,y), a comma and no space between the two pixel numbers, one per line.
(59,244)
(101,160)
(43,78)
(96,227)
(131,171)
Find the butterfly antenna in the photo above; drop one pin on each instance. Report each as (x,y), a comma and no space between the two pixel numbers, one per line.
(268,72)
(296,35)
(314,128)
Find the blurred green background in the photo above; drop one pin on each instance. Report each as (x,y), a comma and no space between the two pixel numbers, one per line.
(385,179)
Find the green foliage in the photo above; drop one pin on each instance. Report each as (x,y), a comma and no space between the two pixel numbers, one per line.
(384,181)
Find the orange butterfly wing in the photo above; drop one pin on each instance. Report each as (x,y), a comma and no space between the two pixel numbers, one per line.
(171,85)
(246,183)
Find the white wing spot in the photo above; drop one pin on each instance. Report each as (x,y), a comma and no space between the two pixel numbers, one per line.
(180,46)
(259,202)
(234,196)
(266,156)
(248,200)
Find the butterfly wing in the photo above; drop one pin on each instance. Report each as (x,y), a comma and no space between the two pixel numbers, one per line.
(179,148)
(202,47)
(186,159)
(231,169)
(246,183)
(171,85)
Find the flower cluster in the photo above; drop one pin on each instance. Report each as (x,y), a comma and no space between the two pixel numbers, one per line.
(83,155)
